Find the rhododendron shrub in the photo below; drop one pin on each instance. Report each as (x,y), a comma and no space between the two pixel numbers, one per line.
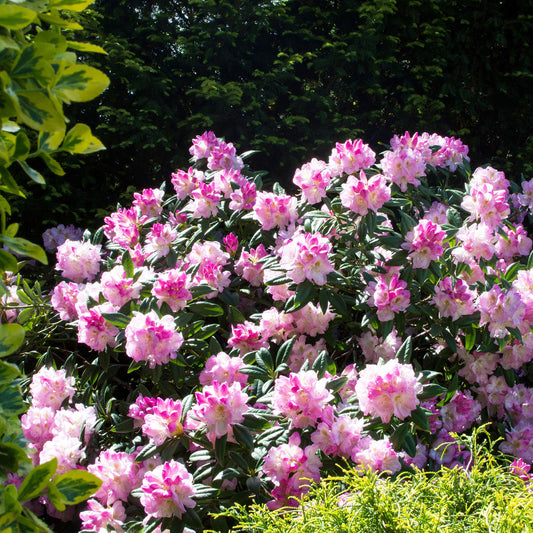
(242,343)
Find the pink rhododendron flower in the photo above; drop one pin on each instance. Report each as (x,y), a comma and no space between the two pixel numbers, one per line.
(276,325)
(98,518)
(78,260)
(403,167)
(301,398)
(167,491)
(387,390)
(224,369)
(37,424)
(159,239)
(244,197)
(143,406)
(122,227)
(152,339)
(453,300)
(203,144)
(378,456)
(49,388)
(207,250)
(74,421)
(375,348)
(437,213)
(205,199)
(246,337)
(304,352)
(514,242)
(477,241)
(500,310)
(389,297)
(363,195)
(313,178)
(224,156)
(311,320)
(249,267)
(219,406)
(424,243)
(306,256)
(350,157)
(291,468)
(171,287)
(119,474)
(272,210)
(94,330)
(164,421)
(63,300)
(68,451)
(231,243)
(460,412)
(118,287)
(149,202)
(487,204)
(186,182)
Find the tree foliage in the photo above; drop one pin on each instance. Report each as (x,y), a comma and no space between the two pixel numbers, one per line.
(291,76)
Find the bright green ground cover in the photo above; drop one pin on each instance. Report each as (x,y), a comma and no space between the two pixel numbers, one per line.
(488,499)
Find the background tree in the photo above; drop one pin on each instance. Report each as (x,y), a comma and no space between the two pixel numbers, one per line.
(290,78)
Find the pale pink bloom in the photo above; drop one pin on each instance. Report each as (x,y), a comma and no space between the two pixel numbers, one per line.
(301,398)
(54,237)
(306,256)
(519,404)
(302,352)
(37,424)
(378,456)
(519,442)
(164,421)
(224,156)
(514,243)
(500,310)
(224,369)
(86,293)
(149,202)
(49,388)
(518,353)
(389,297)
(249,267)
(246,337)
(453,301)
(276,325)
(526,197)
(159,240)
(388,389)
(487,204)
(118,288)
(119,474)
(203,144)
(171,287)
(207,250)
(424,243)
(476,241)
(72,422)
(205,199)
(490,176)
(231,243)
(223,181)
(98,518)
(375,348)
(478,366)
(292,469)
(460,412)
(350,157)
(339,435)
(212,274)
(492,395)
(122,227)
(403,167)
(437,213)
(94,330)
(419,460)
(313,178)
(273,210)
(64,298)
(143,406)
(521,469)
(362,195)
(219,406)
(244,197)
(78,260)
(68,451)
(152,339)
(350,372)
(186,182)
(311,321)
(523,284)
(138,255)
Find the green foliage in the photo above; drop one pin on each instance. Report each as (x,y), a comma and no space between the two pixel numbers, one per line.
(485,498)
(290,78)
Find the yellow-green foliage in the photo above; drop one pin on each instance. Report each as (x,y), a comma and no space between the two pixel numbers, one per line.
(488,498)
